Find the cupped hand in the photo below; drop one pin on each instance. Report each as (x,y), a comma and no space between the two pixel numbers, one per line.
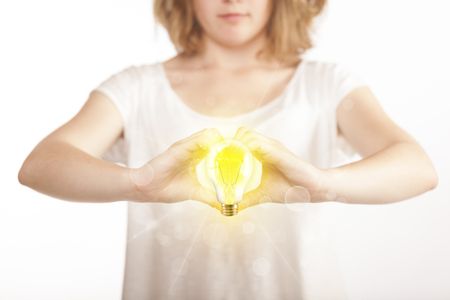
(286,178)
(170,177)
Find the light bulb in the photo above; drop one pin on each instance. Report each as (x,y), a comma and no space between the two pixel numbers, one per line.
(230,170)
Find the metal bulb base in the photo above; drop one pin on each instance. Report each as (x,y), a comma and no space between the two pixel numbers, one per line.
(229,209)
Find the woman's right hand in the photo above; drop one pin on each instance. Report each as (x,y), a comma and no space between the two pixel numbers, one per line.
(170,176)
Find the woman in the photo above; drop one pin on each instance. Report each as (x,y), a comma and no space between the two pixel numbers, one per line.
(239,73)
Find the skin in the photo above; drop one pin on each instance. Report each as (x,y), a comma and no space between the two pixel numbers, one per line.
(232,45)
(67,163)
(229,56)
(388,150)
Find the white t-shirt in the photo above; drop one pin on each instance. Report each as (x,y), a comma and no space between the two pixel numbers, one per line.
(188,250)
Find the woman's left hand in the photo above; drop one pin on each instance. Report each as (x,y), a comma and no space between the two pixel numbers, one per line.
(285,176)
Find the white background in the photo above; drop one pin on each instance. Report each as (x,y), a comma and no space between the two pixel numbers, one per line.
(53,53)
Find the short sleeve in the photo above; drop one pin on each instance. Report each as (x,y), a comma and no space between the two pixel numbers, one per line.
(121,89)
(345,79)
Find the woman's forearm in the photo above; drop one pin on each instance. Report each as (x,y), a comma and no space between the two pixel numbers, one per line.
(396,173)
(63,171)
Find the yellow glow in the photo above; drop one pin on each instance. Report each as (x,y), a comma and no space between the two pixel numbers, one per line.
(229,170)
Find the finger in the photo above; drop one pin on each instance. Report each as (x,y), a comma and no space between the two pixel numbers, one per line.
(198,142)
(264,147)
(253,198)
(240,132)
(202,195)
(243,134)
(194,136)
(247,137)
(279,157)
(252,134)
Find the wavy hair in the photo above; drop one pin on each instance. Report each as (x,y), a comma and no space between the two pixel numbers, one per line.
(288,28)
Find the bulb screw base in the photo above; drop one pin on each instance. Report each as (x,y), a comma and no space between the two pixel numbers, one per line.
(229,209)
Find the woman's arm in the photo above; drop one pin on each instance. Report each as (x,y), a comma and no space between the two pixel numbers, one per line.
(63,171)
(67,163)
(394,166)
(396,173)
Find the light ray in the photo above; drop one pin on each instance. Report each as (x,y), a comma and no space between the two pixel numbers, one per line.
(194,240)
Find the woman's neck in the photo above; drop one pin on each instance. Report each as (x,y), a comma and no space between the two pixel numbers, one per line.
(216,56)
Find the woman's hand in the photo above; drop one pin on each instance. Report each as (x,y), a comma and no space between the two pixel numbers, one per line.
(170,176)
(285,177)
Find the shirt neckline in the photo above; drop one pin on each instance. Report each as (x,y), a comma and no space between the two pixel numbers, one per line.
(180,102)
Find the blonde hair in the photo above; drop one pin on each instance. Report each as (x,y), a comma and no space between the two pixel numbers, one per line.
(287,29)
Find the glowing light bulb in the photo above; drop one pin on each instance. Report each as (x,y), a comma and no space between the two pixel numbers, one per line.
(230,170)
